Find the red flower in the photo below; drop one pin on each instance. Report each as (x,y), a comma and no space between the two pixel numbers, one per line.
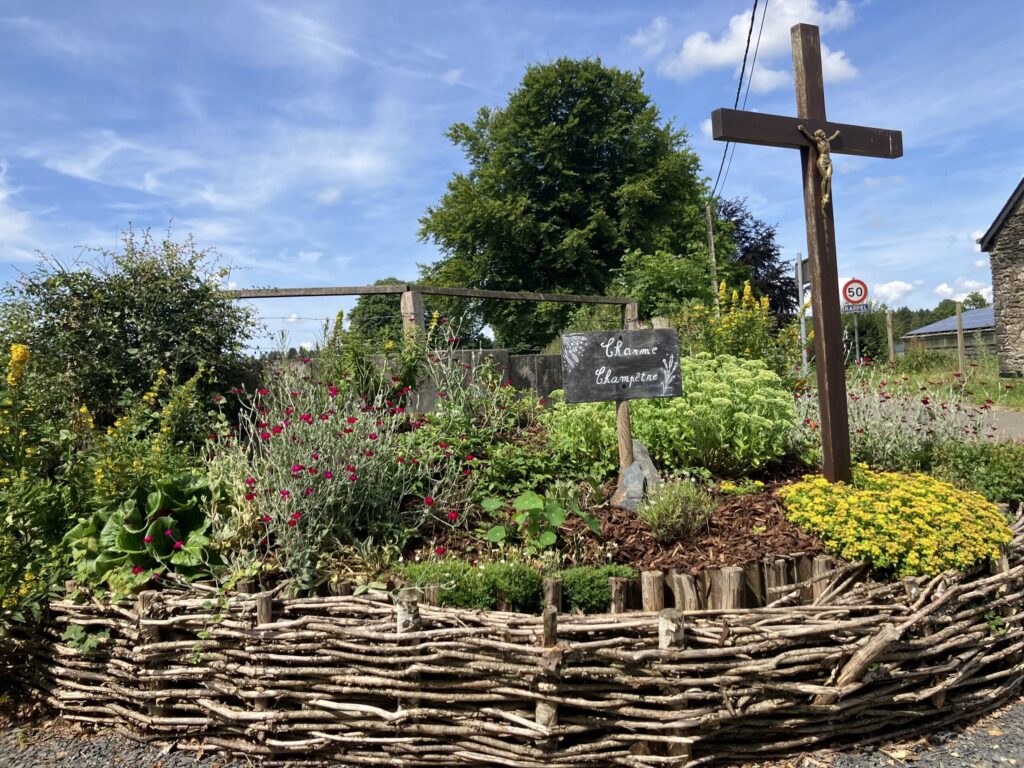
(470,457)
(137,570)
(347,430)
(351,419)
(328,475)
(428,500)
(262,391)
(297,468)
(439,550)
(168,532)
(250,496)
(372,436)
(296,515)
(147,539)
(332,391)
(277,430)
(353,478)
(179,544)
(289,411)
(264,435)
(350,468)
(453,516)
(265,519)
(306,417)
(368,454)
(285,493)
(308,491)
(400,459)
(467,471)
(250,481)
(293,523)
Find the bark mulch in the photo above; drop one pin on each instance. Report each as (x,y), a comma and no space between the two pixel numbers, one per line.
(742,530)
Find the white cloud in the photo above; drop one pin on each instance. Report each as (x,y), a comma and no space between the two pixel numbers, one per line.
(452,76)
(306,345)
(976,235)
(892,291)
(701,52)
(980,263)
(328,195)
(651,40)
(17,237)
(309,257)
(962,287)
(945,290)
(705,127)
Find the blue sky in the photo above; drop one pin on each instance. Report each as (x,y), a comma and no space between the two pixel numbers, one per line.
(304,140)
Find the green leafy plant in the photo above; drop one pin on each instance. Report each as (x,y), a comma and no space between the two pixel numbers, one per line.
(83,641)
(585,589)
(537,520)
(676,509)
(742,487)
(995,470)
(153,532)
(461,585)
(907,525)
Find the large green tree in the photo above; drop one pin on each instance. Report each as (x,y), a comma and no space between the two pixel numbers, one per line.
(577,170)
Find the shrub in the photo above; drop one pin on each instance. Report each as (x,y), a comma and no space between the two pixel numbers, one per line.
(110,324)
(585,589)
(995,470)
(734,416)
(907,525)
(478,587)
(676,509)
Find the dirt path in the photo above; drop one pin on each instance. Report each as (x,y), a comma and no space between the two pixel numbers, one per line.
(1009,424)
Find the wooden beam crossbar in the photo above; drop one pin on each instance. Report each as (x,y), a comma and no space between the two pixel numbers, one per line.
(781,131)
(426,290)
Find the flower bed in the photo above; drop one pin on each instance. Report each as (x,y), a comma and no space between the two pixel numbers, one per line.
(369,682)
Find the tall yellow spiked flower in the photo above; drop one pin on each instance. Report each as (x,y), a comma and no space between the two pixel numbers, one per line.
(16,365)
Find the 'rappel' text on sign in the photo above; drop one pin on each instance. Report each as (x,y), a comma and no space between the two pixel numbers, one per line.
(620,365)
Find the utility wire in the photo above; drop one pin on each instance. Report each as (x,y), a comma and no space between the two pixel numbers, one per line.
(739,90)
(746,93)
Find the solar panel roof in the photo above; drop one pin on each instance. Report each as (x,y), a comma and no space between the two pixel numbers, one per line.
(974,320)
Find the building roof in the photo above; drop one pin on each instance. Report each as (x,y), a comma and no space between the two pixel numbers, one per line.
(987,240)
(983,319)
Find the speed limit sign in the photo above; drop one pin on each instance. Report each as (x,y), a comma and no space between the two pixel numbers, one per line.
(855,291)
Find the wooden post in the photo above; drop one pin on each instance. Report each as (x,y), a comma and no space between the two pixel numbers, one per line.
(620,589)
(776,576)
(671,630)
(148,634)
(961,350)
(412,310)
(888,333)
(726,589)
(711,257)
(264,616)
(553,594)
(652,585)
(684,591)
(623,428)
(546,712)
(820,566)
(407,610)
(432,594)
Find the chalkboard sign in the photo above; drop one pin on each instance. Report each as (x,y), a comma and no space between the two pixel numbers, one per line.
(620,365)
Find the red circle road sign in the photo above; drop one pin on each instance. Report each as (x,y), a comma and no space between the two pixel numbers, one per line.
(855,291)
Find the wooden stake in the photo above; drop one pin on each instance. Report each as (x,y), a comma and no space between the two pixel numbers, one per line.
(684,590)
(620,589)
(412,310)
(623,427)
(671,631)
(726,589)
(652,585)
(711,257)
(961,349)
(888,333)
(553,594)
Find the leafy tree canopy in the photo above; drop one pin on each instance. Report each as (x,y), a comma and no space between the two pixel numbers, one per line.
(573,173)
(102,329)
(378,315)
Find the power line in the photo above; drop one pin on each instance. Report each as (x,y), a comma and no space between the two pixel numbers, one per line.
(739,90)
(746,93)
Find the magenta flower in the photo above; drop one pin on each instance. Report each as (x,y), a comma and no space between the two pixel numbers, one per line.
(353,478)
(439,550)
(453,516)
(308,491)
(168,532)
(293,523)
(250,496)
(262,391)
(137,570)
(297,468)
(296,515)
(265,519)
(328,475)
(250,481)
(372,436)
(314,456)
(264,435)
(285,493)
(179,544)
(428,500)
(147,539)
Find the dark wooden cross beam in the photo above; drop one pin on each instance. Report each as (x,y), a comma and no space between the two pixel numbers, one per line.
(794,132)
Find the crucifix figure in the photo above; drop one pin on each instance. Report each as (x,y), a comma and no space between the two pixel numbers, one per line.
(824,161)
(816,138)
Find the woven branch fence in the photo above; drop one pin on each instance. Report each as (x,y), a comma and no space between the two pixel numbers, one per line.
(366,681)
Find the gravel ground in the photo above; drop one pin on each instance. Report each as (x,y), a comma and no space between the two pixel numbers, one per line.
(994,741)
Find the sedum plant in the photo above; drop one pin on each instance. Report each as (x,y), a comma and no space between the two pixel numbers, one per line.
(907,525)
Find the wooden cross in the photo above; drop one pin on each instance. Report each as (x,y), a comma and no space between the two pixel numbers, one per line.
(797,132)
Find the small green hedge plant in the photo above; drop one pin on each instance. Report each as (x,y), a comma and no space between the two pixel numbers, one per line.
(463,585)
(585,589)
(907,525)
(734,416)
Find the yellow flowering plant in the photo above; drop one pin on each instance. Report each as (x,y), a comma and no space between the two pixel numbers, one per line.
(901,524)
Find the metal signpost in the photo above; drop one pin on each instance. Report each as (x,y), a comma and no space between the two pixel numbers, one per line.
(855,296)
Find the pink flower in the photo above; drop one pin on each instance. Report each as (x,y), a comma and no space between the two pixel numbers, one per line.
(372,436)
(137,570)
(296,516)
(353,478)
(179,544)
(264,435)
(467,471)
(250,496)
(285,493)
(265,519)
(147,539)
(308,491)
(307,418)
(262,391)
(168,532)
(470,457)
(400,459)
(277,430)
(368,454)
(428,500)
(328,475)
(314,456)
(453,516)
(297,468)
(351,419)
(250,481)
(293,523)
(332,391)
(439,550)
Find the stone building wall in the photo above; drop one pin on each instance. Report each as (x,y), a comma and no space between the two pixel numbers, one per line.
(1007,258)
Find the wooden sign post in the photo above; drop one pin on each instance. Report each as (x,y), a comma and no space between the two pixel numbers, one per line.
(816,138)
(622,365)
